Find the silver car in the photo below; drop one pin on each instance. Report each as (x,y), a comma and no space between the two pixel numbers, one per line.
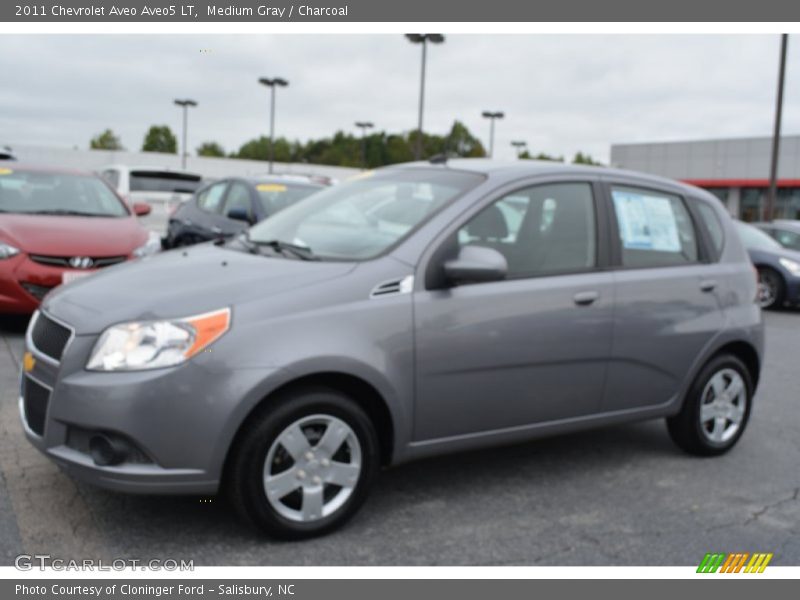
(415,310)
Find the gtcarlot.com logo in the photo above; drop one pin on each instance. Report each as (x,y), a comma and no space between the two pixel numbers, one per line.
(735,562)
(28,562)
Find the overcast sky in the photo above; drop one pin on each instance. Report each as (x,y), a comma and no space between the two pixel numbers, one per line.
(560,93)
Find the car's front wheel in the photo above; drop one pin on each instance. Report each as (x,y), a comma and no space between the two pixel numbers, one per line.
(771,288)
(304,465)
(716,409)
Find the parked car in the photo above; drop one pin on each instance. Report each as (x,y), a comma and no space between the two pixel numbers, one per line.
(396,316)
(785,232)
(778,267)
(228,206)
(157,186)
(58,225)
(6,153)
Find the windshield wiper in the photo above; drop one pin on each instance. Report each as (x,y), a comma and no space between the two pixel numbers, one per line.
(64,211)
(301,252)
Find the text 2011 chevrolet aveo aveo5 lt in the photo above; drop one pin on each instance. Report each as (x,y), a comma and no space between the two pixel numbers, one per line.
(415,310)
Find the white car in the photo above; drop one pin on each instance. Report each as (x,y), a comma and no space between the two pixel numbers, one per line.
(164,189)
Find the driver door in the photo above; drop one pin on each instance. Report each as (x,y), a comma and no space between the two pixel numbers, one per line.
(532,348)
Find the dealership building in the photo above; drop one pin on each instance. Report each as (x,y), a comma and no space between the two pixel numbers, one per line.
(735,170)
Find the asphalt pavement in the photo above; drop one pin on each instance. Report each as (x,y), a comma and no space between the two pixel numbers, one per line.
(616,496)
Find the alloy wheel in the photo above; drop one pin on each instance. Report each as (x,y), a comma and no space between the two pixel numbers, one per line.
(723,406)
(312,468)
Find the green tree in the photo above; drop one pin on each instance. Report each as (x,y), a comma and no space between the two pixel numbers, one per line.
(210,149)
(585,159)
(462,143)
(541,156)
(107,140)
(159,138)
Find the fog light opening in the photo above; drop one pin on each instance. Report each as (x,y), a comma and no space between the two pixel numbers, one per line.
(107,451)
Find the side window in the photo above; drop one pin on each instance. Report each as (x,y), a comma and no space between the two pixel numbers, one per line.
(711,220)
(209,199)
(787,239)
(655,228)
(237,198)
(541,230)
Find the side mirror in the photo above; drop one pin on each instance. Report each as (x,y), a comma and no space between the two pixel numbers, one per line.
(239,214)
(141,209)
(476,264)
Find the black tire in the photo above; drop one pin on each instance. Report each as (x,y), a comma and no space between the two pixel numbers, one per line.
(774,282)
(686,428)
(245,472)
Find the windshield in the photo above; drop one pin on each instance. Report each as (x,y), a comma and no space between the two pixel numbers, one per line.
(277,196)
(362,218)
(755,239)
(40,192)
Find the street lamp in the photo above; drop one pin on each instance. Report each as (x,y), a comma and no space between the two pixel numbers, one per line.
(519,145)
(772,192)
(272,84)
(185,104)
(364,125)
(492,116)
(422,38)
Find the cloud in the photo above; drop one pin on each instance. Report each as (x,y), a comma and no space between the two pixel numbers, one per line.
(560,93)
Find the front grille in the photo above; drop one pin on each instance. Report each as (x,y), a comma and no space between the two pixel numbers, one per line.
(98,262)
(49,337)
(35,399)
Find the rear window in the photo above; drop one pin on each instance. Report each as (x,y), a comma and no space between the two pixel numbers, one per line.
(40,192)
(164,181)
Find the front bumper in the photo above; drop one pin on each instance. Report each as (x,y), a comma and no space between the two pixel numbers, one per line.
(23,283)
(179,422)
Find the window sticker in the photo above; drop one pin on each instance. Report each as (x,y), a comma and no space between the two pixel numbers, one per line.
(646,222)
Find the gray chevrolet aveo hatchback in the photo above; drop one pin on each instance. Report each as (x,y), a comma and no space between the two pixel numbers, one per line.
(415,310)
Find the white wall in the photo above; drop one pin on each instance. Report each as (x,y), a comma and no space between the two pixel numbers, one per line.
(205,166)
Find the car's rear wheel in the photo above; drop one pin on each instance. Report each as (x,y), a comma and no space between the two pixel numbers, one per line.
(305,465)
(771,288)
(716,409)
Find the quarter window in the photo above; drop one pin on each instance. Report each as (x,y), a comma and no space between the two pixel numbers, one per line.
(713,225)
(541,230)
(655,228)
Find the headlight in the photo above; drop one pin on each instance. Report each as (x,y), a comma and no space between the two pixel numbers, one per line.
(154,344)
(7,251)
(790,265)
(151,246)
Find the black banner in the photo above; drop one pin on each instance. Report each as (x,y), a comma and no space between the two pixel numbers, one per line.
(193,11)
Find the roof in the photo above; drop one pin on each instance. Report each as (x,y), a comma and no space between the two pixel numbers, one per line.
(526,168)
(17,166)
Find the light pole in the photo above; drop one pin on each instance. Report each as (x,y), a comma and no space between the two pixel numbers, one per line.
(364,125)
(519,145)
(492,116)
(185,104)
(776,134)
(422,38)
(272,84)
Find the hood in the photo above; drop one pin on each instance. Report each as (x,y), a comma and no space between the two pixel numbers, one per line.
(72,236)
(181,283)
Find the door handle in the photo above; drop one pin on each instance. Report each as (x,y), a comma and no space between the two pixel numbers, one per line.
(708,285)
(585,298)
(216,230)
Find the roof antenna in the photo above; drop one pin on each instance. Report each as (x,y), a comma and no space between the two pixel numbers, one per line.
(439,159)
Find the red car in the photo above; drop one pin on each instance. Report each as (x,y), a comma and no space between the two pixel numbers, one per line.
(58,225)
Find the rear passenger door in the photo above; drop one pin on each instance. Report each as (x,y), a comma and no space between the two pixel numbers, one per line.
(666,284)
(202,216)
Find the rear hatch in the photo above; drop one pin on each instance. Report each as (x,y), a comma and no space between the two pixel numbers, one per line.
(164,191)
